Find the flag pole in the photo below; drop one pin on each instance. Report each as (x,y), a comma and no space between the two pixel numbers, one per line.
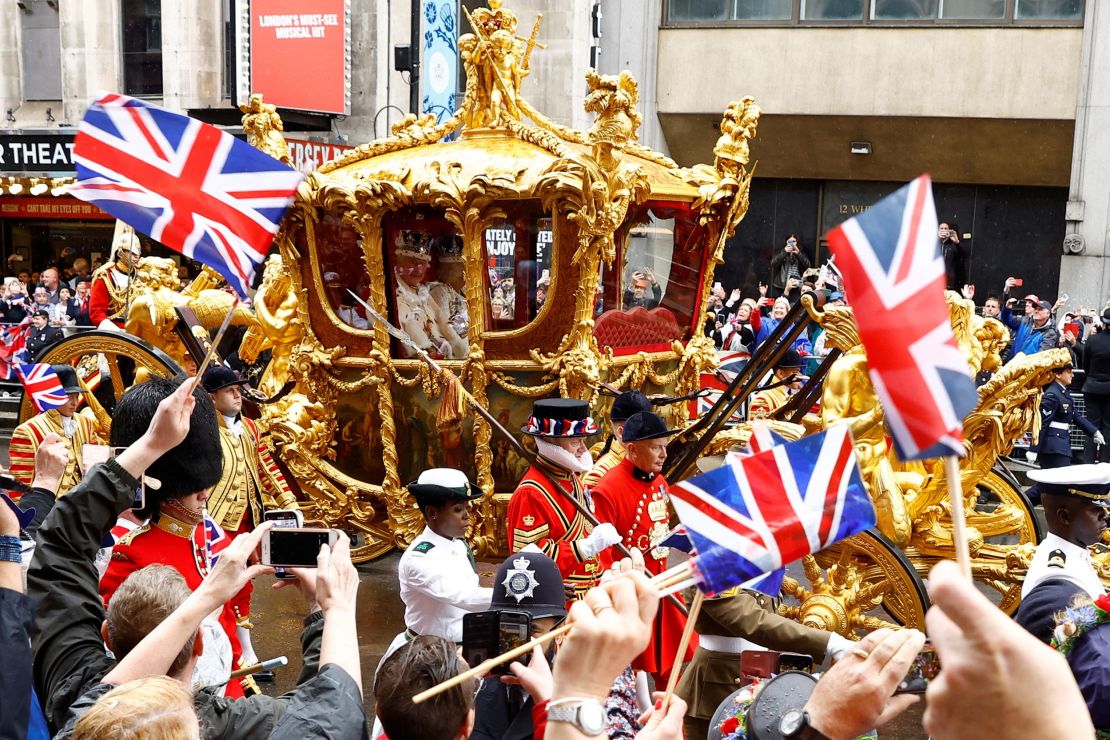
(212,348)
(956,499)
(676,667)
(482,668)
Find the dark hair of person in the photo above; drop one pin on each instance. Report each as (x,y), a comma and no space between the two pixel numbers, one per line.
(417,665)
(195,464)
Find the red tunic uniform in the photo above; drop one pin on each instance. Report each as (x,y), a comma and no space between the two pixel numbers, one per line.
(108,297)
(539,515)
(636,504)
(186,548)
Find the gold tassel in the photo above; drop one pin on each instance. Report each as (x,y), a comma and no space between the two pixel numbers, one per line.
(451,403)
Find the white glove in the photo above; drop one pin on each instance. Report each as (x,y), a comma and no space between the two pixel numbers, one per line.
(1031,456)
(604,535)
(1099,439)
(839,646)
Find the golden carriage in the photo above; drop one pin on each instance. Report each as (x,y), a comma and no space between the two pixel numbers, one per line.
(532,260)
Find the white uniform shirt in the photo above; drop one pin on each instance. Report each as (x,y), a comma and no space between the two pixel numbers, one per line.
(439,586)
(1077,567)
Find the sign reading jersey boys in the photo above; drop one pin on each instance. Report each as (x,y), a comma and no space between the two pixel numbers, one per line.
(300,54)
(440,58)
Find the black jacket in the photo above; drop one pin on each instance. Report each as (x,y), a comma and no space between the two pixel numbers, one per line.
(956,257)
(69,655)
(495,717)
(40,339)
(1096,363)
(780,271)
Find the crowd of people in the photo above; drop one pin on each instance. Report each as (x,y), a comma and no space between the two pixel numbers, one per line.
(135,612)
(127,572)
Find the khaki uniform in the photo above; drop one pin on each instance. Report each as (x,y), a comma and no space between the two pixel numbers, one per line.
(711,676)
(250,479)
(29,435)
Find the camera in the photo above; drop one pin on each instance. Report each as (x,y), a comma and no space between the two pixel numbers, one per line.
(491,633)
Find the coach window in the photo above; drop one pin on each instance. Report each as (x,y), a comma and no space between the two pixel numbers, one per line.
(142,47)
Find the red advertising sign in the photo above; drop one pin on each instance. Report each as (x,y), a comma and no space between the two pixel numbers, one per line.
(309,155)
(54,209)
(298,54)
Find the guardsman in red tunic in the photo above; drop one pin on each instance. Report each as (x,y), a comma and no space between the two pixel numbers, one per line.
(176,533)
(540,516)
(111,283)
(633,497)
(624,406)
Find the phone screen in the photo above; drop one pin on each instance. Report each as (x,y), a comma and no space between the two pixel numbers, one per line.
(491,633)
(296,548)
(286,518)
(924,669)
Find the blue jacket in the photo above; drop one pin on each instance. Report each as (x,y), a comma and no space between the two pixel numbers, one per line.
(1058,407)
(1029,339)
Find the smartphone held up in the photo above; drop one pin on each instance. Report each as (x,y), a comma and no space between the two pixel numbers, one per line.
(295,547)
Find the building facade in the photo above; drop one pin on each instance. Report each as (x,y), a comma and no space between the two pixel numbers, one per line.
(189,56)
(999,100)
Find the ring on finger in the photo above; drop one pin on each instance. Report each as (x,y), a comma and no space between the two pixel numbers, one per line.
(599,609)
(862,653)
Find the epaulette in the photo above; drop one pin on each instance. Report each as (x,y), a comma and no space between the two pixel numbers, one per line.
(127,538)
(1057,559)
(424,547)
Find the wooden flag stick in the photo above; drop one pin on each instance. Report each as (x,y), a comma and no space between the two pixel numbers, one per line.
(212,348)
(679,571)
(959,520)
(676,667)
(485,666)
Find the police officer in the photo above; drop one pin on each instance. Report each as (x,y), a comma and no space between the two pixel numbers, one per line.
(1053,449)
(1075,502)
(439,582)
(526,582)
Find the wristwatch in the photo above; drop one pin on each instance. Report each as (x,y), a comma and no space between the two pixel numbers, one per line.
(588,715)
(794,725)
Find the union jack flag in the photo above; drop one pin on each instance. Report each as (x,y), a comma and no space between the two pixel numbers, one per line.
(13,347)
(41,383)
(894,277)
(186,184)
(755,515)
(729,365)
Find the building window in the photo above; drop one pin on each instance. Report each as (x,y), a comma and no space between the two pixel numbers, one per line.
(1056,10)
(885,12)
(701,10)
(832,10)
(41,50)
(142,47)
(973,9)
(900,10)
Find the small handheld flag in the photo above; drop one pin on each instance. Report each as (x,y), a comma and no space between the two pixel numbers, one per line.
(755,515)
(188,185)
(894,277)
(42,384)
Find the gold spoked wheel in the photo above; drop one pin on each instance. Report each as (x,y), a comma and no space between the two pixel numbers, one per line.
(851,581)
(1004,515)
(110,361)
